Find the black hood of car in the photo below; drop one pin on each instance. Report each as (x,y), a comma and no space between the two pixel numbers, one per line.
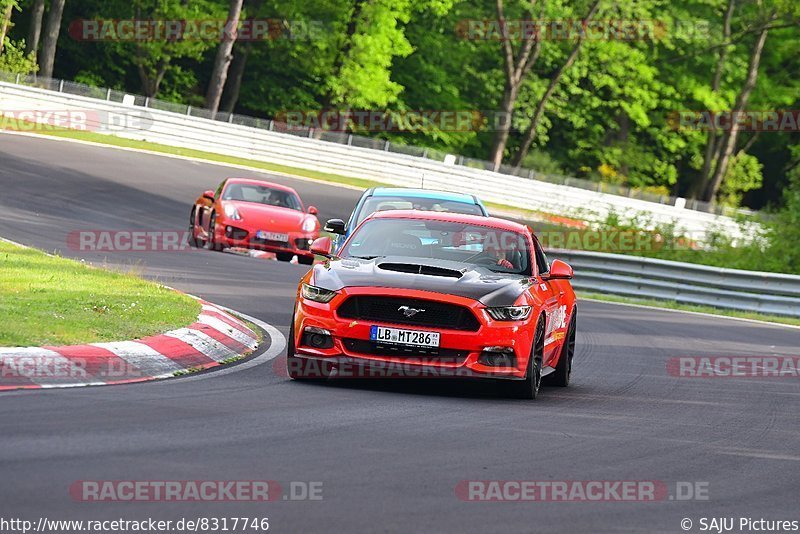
(438,276)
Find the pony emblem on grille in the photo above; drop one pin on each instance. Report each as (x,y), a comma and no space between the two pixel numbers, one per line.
(408,311)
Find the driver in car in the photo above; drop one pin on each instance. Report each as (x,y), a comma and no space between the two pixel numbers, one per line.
(492,251)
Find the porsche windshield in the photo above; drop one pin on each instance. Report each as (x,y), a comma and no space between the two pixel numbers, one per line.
(262,195)
(495,249)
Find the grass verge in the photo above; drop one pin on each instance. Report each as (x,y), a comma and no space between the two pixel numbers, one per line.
(47,300)
(672,305)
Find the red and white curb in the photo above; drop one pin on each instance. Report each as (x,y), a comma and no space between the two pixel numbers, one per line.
(216,336)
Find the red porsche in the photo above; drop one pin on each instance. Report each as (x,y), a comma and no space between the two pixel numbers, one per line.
(254,214)
(456,295)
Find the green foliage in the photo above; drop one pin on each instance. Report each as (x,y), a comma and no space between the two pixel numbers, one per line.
(14,61)
(609,119)
(785,228)
(744,174)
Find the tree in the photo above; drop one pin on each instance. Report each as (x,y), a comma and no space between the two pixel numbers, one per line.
(153,59)
(516,69)
(35,30)
(224,57)
(51,32)
(241,53)
(6,10)
(728,144)
(555,79)
(713,137)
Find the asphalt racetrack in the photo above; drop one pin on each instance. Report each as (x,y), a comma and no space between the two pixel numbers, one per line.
(389,454)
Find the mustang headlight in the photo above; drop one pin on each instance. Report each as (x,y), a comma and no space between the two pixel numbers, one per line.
(232,213)
(309,224)
(509,313)
(317,294)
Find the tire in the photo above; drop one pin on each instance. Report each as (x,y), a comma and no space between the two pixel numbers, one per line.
(302,369)
(306,260)
(284,256)
(211,244)
(560,377)
(194,242)
(529,387)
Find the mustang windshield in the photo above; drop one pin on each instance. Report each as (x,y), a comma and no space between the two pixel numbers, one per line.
(399,202)
(262,195)
(494,249)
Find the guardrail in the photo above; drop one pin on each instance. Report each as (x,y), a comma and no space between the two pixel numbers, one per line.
(189,131)
(686,283)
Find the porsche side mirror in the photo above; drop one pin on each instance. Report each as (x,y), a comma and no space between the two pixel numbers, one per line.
(322,246)
(209,195)
(335,226)
(312,210)
(559,270)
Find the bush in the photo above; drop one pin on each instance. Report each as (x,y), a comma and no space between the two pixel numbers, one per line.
(14,61)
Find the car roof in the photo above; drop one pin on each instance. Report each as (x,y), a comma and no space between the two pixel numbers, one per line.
(423,193)
(476,220)
(256,181)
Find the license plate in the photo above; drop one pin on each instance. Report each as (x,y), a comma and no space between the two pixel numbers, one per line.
(399,336)
(272,236)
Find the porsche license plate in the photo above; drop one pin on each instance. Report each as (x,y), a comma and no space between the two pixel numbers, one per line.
(272,236)
(399,336)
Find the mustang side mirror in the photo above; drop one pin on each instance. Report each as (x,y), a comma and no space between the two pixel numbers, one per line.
(559,270)
(322,246)
(312,210)
(335,226)
(209,195)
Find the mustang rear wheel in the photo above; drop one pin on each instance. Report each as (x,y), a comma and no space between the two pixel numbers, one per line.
(560,377)
(529,388)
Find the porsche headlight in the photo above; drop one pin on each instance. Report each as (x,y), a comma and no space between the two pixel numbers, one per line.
(317,294)
(309,224)
(232,213)
(509,313)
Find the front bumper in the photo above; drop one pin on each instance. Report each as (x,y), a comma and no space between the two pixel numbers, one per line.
(236,234)
(457,356)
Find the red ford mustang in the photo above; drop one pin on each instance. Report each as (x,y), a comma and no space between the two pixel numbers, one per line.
(437,294)
(257,215)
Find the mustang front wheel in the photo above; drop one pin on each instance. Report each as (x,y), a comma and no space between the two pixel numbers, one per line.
(529,387)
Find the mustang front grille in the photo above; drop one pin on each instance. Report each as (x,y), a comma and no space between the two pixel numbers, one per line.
(408,311)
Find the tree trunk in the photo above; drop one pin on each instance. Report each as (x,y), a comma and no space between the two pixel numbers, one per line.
(5,24)
(338,63)
(554,81)
(224,57)
(516,68)
(729,144)
(713,139)
(502,134)
(35,30)
(51,38)
(234,86)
